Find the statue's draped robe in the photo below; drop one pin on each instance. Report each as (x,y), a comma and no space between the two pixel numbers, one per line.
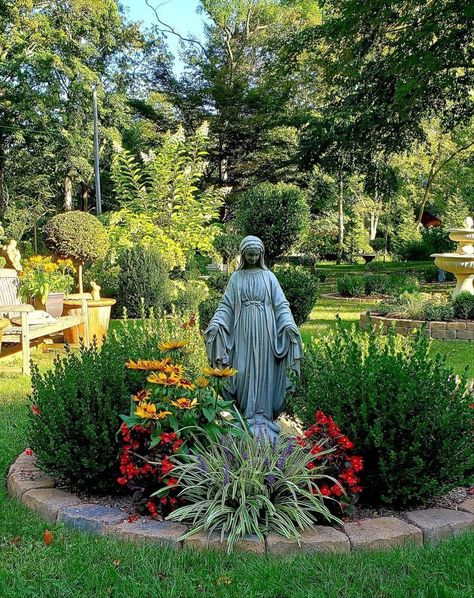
(252,321)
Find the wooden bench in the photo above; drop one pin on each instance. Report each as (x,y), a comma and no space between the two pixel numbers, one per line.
(28,331)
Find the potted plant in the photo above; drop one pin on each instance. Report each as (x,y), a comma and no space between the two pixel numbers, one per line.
(82,238)
(45,281)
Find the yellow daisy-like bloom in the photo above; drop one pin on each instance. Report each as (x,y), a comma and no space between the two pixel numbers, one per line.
(142,395)
(184,383)
(147,365)
(50,268)
(174,370)
(217,373)
(172,345)
(148,411)
(201,382)
(162,379)
(184,403)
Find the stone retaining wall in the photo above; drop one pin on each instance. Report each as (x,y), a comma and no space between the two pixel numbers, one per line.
(455,330)
(36,490)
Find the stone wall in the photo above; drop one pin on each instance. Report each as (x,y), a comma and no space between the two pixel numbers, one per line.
(455,330)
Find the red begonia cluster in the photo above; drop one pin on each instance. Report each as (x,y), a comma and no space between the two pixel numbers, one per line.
(145,470)
(325,434)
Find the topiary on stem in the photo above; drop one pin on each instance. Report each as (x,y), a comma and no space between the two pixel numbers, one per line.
(79,236)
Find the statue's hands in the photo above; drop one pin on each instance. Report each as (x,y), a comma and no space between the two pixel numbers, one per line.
(211,333)
(293,334)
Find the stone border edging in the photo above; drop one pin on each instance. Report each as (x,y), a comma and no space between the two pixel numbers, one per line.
(454,330)
(37,491)
(365,299)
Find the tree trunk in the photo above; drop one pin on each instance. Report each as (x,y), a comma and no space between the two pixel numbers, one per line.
(340,240)
(67,193)
(3,199)
(374,222)
(85,196)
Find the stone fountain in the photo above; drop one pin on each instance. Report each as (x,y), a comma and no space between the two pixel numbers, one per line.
(461,263)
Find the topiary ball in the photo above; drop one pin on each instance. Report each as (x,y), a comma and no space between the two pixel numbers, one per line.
(77,235)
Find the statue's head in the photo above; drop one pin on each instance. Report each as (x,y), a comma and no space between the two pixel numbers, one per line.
(252,253)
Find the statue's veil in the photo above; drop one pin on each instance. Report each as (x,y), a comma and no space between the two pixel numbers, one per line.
(252,242)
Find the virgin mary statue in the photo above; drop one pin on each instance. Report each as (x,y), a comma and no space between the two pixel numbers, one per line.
(254,332)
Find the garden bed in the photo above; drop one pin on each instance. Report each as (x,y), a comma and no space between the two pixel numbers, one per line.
(452,330)
(39,493)
(364,299)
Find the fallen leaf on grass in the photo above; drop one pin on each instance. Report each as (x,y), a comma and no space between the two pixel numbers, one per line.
(224,581)
(16,540)
(48,537)
(116,563)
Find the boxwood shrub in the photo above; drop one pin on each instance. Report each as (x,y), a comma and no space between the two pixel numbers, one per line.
(406,411)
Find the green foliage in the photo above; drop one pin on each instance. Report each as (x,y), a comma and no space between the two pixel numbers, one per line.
(406,412)
(187,295)
(278,214)
(438,311)
(350,285)
(207,309)
(249,485)
(143,282)
(77,235)
(464,306)
(300,287)
(376,283)
(403,283)
(227,245)
(160,200)
(418,306)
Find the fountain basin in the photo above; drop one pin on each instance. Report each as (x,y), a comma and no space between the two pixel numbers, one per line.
(462,266)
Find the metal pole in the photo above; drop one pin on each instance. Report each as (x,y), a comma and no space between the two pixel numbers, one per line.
(98,200)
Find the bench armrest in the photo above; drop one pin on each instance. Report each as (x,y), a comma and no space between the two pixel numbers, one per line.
(21,308)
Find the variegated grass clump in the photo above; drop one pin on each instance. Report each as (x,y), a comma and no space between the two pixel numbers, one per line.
(250,485)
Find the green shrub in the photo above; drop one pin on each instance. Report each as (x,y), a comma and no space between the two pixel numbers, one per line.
(321,276)
(378,284)
(77,404)
(218,281)
(376,267)
(431,274)
(377,244)
(438,311)
(187,295)
(406,412)
(407,305)
(301,288)
(207,309)
(464,306)
(271,479)
(278,214)
(403,283)
(350,285)
(143,281)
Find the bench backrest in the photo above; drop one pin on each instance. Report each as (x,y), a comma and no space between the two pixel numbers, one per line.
(9,287)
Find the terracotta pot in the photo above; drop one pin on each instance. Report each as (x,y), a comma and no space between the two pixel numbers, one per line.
(99,318)
(54,304)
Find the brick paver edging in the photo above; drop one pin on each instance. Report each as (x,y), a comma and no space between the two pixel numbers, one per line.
(37,491)
(454,330)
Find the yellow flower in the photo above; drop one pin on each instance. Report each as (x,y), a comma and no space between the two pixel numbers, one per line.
(217,373)
(184,403)
(148,411)
(143,364)
(163,379)
(50,268)
(201,382)
(142,395)
(175,370)
(172,345)
(184,383)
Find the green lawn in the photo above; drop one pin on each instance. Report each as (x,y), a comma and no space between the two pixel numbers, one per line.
(83,565)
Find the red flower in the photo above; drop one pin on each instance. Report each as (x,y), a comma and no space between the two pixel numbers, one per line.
(316,449)
(357,463)
(122,481)
(164,500)
(337,490)
(133,518)
(35,410)
(166,466)
(28,452)
(310,465)
(345,442)
(176,445)
(172,482)
(168,437)
(150,505)
(325,491)
(321,418)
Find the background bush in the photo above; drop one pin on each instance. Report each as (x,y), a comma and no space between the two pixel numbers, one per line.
(143,280)
(278,214)
(405,411)
(301,288)
(464,306)
(350,285)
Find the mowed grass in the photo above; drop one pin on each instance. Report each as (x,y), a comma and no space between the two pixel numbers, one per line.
(83,565)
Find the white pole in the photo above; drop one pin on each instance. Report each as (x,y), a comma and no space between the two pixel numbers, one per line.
(98,200)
